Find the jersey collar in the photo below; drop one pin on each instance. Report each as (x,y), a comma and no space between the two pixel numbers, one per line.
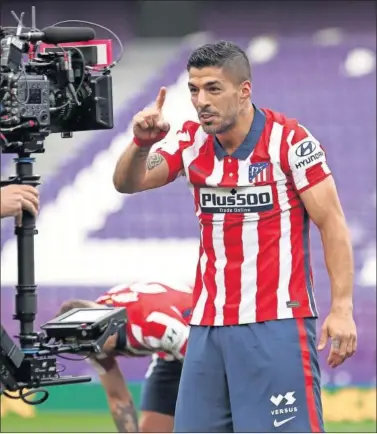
(248,145)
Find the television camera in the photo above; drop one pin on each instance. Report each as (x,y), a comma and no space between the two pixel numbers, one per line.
(58,91)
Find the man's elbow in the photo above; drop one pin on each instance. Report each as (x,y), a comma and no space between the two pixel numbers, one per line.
(123,187)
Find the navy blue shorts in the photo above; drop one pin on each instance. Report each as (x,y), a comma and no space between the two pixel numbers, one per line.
(160,388)
(261,377)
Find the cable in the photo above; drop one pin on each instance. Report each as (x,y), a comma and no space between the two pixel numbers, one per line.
(23,396)
(62,369)
(23,72)
(27,124)
(54,109)
(72,360)
(104,28)
(83,67)
(9,396)
(4,139)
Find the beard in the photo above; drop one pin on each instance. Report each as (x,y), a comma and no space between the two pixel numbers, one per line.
(214,128)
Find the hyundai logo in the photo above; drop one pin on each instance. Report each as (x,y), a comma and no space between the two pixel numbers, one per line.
(305,149)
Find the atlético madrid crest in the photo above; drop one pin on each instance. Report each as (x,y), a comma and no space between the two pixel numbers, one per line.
(260,172)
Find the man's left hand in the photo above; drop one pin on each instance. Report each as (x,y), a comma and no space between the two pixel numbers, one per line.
(341,329)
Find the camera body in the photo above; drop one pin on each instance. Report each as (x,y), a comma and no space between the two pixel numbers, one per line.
(35,91)
(51,92)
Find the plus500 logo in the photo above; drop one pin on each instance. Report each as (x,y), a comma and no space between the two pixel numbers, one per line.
(236,200)
(241,199)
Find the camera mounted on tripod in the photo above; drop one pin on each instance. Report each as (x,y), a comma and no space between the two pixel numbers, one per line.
(61,90)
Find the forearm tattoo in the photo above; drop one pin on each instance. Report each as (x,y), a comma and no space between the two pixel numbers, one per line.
(154,160)
(125,417)
(143,152)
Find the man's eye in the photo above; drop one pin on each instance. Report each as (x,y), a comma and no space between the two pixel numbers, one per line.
(214,89)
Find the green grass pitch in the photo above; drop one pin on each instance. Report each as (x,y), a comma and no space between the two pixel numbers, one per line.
(101,422)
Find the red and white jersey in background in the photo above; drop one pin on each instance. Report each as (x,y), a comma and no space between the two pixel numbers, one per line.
(254,262)
(157,318)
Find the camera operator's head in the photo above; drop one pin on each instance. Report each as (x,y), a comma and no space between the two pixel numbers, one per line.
(77,304)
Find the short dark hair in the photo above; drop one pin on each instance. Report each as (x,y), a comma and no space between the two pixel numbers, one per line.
(73,304)
(222,54)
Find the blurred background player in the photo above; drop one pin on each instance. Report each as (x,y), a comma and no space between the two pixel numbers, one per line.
(157,325)
(321,71)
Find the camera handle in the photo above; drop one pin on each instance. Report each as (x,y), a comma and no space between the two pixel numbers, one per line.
(26,299)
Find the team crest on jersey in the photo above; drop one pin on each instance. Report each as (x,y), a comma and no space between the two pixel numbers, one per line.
(260,172)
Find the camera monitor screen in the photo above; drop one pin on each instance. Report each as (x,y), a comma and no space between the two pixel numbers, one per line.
(85,316)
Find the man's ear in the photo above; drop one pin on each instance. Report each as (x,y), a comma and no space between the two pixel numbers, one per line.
(245,91)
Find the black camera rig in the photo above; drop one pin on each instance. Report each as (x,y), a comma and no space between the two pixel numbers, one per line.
(34,365)
(58,91)
(49,93)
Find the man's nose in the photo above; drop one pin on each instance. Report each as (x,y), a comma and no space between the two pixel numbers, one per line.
(202,100)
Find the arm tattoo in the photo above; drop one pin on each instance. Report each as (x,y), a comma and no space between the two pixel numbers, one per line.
(143,152)
(125,417)
(154,160)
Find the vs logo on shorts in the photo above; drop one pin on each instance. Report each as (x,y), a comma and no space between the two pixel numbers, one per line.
(260,172)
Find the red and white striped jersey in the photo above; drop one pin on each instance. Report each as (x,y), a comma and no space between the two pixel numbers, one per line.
(157,318)
(254,262)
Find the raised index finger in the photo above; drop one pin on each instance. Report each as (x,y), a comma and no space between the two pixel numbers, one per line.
(160,100)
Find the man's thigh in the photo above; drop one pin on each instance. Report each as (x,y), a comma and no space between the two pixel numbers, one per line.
(159,396)
(203,396)
(273,376)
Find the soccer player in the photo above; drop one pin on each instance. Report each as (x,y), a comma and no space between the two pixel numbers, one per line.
(157,325)
(257,178)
